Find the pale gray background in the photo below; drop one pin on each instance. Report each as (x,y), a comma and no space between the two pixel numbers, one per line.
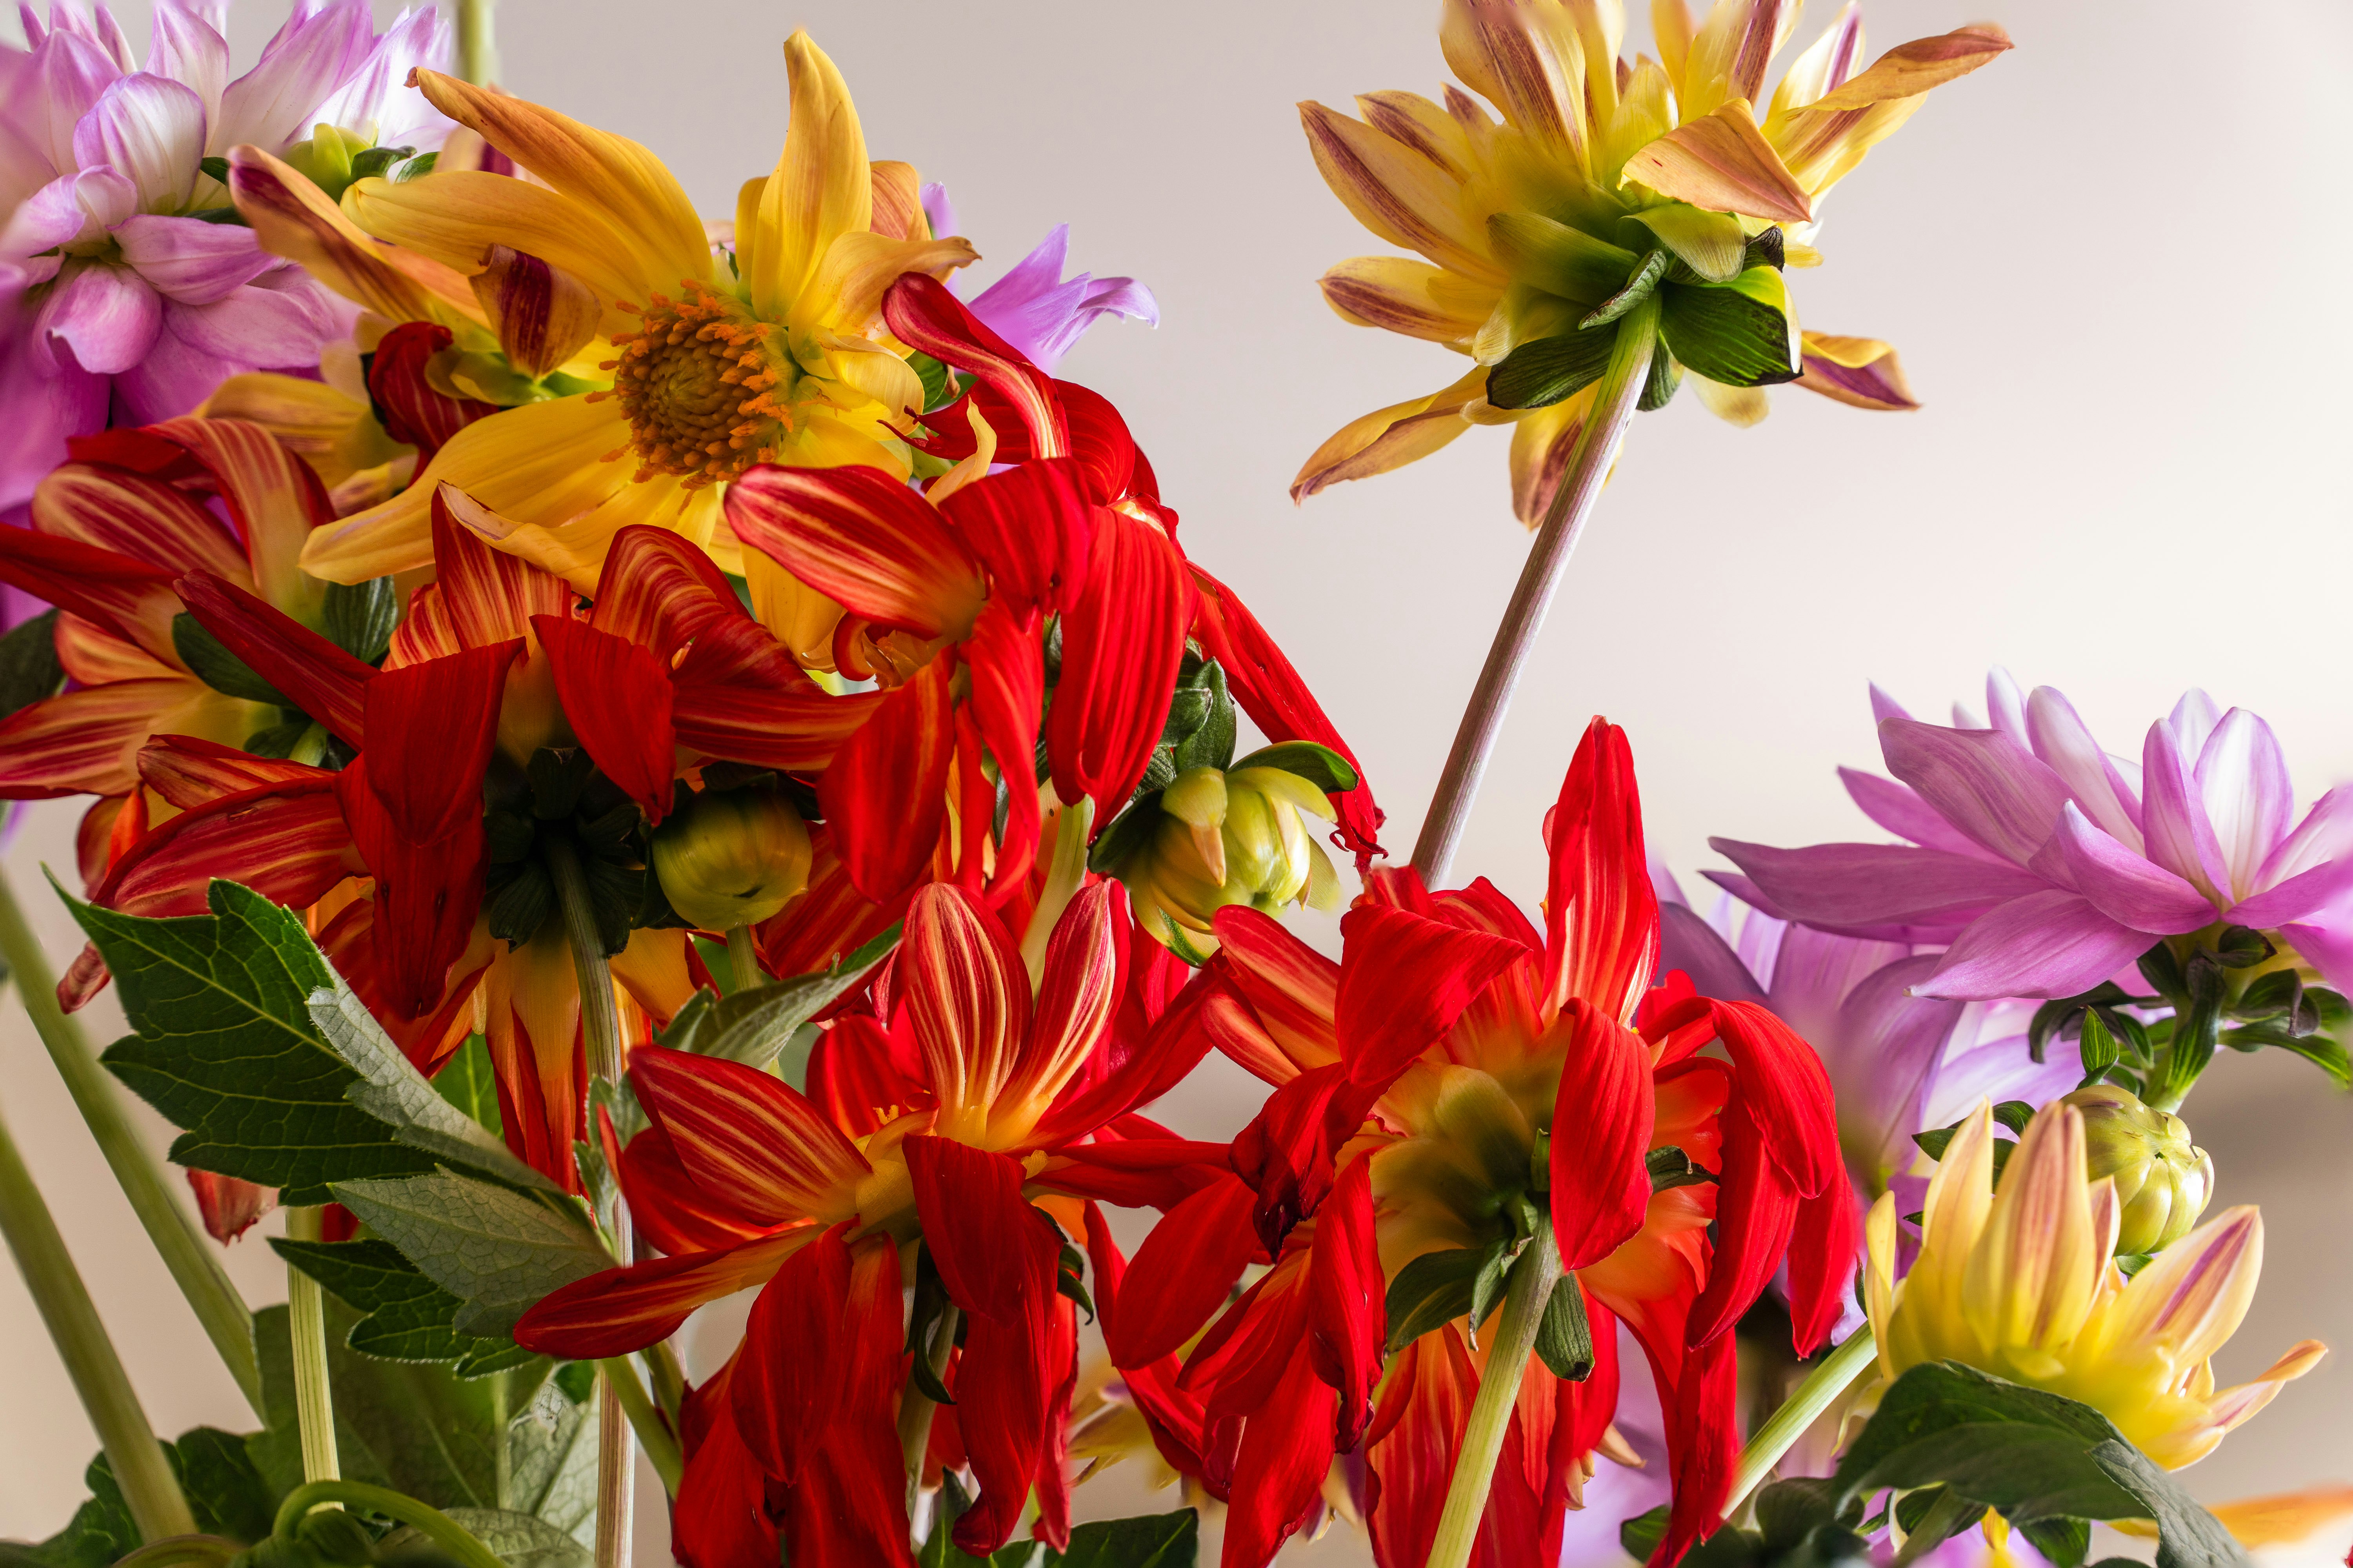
(2112,260)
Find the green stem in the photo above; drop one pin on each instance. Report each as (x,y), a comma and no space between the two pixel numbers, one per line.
(447,1532)
(193,1262)
(1525,1300)
(1831,1377)
(174,1550)
(916,1408)
(1065,874)
(57,1288)
(1614,402)
(668,1378)
(477,53)
(306,1322)
(646,1420)
(600,1026)
(744,957)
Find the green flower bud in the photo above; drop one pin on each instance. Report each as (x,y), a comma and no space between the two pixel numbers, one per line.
(1220,838)
(731,858)
(2163,1181)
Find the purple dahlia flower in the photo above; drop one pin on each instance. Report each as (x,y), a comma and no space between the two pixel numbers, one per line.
(2044,866)
(1036,309)
(116,304)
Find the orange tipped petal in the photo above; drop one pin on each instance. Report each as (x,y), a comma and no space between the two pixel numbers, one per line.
(1722,162)
(1909,69)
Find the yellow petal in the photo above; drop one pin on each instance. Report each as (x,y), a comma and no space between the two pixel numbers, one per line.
(575,549)
(295,218)
(1879,1276)
(1960,1195)
(875,374)
(1861,373)
(2281,1519)
(1389,437)
(1542,444)
(796,615)
(1822,148)
(2032,1276)
(1833,55)
(460,218)
(898,200)
(1722,162)
(2195,1294)
(1730,53)
(1741,405)
(822,188)
(1412,120)
(337,436)
(1671,29)
(543,314)
(1534,73)
(1396,193)
(1910,69)
(1409,297)
(859,270)
(541,463)
(608,175)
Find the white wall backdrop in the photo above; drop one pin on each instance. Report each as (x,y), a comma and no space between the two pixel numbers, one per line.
(2113,262)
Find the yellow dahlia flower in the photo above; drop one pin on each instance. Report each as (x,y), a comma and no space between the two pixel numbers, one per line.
(1606,182)
(770,351)
(2019,1282)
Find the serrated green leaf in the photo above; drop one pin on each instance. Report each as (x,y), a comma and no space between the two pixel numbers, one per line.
(517,1540)
(1322,766)
(1154,1541)
(406,1316)
(497,1250)
(226,1048)
(552,1457)
(1740,333)
(751,1026)
(392,1091)
(1551,370)
(30,670)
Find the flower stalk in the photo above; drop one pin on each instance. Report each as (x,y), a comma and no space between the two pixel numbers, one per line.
(306,1321)
(1533,1279)
(601,1030)
(646,1420)
(1614,403)
(194,1263)
(56,1286)
(1822,1387)
(917,1408)
(744,957)
(478,49)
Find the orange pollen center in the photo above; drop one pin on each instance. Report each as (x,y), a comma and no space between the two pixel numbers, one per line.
(699,382)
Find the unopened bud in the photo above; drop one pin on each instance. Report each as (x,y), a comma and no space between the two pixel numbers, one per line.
(2163,1181)
(1226,838)
(731,858)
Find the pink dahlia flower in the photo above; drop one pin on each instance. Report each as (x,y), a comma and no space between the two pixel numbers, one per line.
(117,303)
(2044,866)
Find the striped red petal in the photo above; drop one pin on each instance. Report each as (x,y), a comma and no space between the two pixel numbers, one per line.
(285,841)
(1122,643)
(145,520)
(190,773)
(924,315)
(1031,527)
(1008,684)
(311,672)
(1425,1407)
(1601,918)
(273,496)
(660,588)
(1347,1321)
(885,796)
(625,1310)
(617,697)
(743,1134)
(738,694)
(478,595)
(674,1211)
(968,994)
(864,540)
(130,598)
(849,1504)
(416,412)
(1601,1131)
(831,919)
(86,741)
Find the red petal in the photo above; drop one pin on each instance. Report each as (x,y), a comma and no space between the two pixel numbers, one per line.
(228,1205)
(1139,1173)
(1786,1092)
(924,315)
(1287,1152)
(720,1518)
(1079,993)
(1192,1257)
(144,519)
(190,773)
(1277,700)
(1030,525)
(968,995)
(414,412)
(130,598)
(1703,1446)
(311,672)
(616,698)
(287,842)
(1404,979)
(273,498)
(658,588)
(1279,1473)
(1348,1320)
(1292,992)
(1122,643)
(434,725)
(1165,1055)
(1101,444)
(981,1232)
(741,1132)
(1174,1418)
(738,694)
(885,796)
(1755,1213)
(830,920)
(850,1504)
(1823,1253)
(478,595)
(1600,1132)
(672,1210)
(1601,918)
(1425,1407)
(862,538)
(626,1310)
(1585,1410)
(792,1379)
(86,742)
(1008,684)
(853,1078)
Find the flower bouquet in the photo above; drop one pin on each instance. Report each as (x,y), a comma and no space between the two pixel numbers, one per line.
(637,758)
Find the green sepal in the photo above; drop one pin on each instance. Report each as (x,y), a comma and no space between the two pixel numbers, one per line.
(1664,379)
(1209,742)
(1322,766)
(1562,261)
(1564,1337)
(1069,1282)
(1130,834)
(415,168)
(29,669)
(1434,1288)
(215,168)
(1550,370)
(210,661)
(359,617)
(1738,333)
(1490,1283)
(371,162)
(1638,289)
(1671,1167)
(1711,244)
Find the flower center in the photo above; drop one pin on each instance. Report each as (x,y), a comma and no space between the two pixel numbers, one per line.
(698,381)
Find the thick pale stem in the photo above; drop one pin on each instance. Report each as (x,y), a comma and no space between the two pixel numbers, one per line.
(646,1420)
(744,958)
(306,1322)
(1614,400)
(1532,1279)
(152,1495)
(192,1259)
(445,1532)
(1065,873)
(916,1408)
(1831,1377)
(477,53)
(600,1026)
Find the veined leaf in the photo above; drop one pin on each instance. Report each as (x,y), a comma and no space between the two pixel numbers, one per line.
(1154,1541)
(1741,334)
(517,1540)
(1434,1288)
(407,1316)
(751,1026)
(226,1048)
(497,1250)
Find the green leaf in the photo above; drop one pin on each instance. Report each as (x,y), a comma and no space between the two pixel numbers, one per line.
(552,1453)
(210,661)
(1638,289)
(1322,766)
(1640,1536)
(468,1081)
(2188,1536)
(1740,333)
(1487,1286)
(1155,1540)
(393,1093)
(415,168)
(2063,1543)
(941,385)
(1671,1167)
(497,1250)
(1711,244)
(518,1540)
(1210,745)
(407,1316)
(1551,370)
(751,1026)
(359,617)
(1434,1288)
(217,168)
(225,1493)
(1564,1338)
(226,1048)
(1665,380)
(1788,1511)
(30,670)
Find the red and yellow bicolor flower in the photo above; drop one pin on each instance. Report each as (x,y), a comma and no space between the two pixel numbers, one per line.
(769,352)
(1456,1067)
(748,1182)
(1534,222)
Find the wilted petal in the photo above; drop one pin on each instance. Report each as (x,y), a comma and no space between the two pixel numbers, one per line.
(2050,943)
(1910,69)
(1390,437)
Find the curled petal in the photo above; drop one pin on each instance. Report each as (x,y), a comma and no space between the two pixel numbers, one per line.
(1861,373)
